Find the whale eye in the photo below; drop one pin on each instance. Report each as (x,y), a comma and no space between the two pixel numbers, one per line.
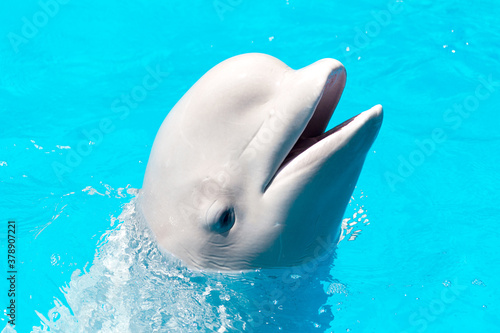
(220,218)
(225,221)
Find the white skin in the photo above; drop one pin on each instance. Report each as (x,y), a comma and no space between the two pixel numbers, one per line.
(241,174)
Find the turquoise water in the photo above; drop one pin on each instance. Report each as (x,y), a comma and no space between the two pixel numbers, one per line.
(77,125)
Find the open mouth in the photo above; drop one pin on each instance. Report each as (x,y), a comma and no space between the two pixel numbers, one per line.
(314,131)
(315,128)
(347,142)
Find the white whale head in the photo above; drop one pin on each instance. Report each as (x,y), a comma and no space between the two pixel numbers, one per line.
(242,175)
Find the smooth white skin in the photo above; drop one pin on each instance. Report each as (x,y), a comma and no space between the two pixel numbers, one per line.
(221,147)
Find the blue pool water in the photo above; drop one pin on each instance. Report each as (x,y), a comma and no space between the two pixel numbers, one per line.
(420,249)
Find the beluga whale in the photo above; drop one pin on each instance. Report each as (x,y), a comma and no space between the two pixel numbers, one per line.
(242,174)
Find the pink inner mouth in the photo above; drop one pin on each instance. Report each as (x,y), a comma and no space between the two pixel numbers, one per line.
(315,129)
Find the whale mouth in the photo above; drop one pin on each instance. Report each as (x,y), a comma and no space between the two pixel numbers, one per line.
(314,136)
(314,130)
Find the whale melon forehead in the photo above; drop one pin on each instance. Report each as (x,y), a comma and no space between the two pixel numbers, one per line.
(256,62)
(237,85)
(217,119)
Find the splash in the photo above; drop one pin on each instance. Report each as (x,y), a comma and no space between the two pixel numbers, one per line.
(352,226)
(133,286)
